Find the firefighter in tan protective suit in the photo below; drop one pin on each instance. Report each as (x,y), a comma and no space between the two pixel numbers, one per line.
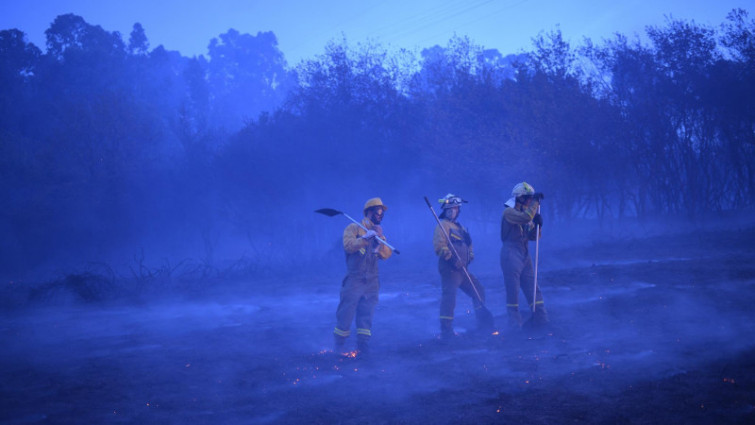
(452,275)
(519,225)
(359,290)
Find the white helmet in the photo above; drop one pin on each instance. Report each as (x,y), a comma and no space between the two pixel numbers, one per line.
(521,189)
(450,201)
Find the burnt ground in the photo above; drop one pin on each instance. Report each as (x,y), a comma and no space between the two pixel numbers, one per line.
(658,330)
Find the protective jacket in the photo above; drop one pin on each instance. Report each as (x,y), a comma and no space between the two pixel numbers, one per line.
(517,227)
(362,255)
(459,237)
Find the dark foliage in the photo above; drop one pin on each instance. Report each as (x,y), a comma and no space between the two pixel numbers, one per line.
(107,146)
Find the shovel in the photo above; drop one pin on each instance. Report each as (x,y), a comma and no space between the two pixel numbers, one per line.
(485,316)
(332,213)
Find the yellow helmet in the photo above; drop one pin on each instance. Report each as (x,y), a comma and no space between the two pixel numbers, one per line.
(373,202)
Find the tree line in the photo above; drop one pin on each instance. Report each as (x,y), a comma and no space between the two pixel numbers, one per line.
(104,140)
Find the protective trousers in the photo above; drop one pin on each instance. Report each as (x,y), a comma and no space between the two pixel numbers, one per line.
(452,279)
(359,297)
(518,273)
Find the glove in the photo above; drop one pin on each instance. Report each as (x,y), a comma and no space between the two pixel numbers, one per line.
(538,220)
(370,234)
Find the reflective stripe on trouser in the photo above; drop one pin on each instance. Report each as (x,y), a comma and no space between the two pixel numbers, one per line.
(518,273)
(359,296)
(363,334)
(452,279)
(341,332)
(446,323)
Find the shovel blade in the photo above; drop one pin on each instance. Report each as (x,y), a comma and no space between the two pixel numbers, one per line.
(328,211)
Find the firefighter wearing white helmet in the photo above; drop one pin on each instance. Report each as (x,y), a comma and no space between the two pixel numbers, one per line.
(520,224)
(451,268)
(359,289)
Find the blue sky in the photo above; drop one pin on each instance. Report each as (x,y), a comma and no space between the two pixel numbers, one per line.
(304,27)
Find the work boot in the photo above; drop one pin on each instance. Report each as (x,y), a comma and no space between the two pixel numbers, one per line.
(447,334)
(363,346)
(538,322)
(339,344)
(514,319)
(540,317)
(484,319)
(447,329)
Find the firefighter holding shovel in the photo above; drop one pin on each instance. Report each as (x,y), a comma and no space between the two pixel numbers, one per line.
(364,245)
(520,224)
